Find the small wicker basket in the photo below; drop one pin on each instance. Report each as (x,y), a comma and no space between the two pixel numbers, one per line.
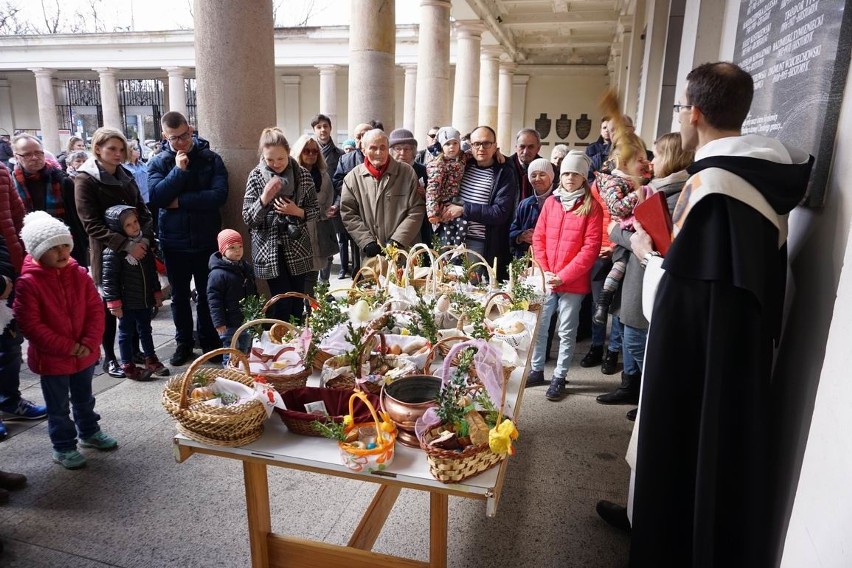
(280,381)
(231,426)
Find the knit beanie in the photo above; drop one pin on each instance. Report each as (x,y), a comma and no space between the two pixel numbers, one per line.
(228,237)
(448,133)
(576,161)
(540,165)
(42,232)
(349,143)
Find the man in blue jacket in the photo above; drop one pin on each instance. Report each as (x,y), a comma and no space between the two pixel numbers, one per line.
(188,182)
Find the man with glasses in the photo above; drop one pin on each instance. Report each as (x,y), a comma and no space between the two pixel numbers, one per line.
(707,475)
(432,149)
(188,182)
(489,191)
(527,147)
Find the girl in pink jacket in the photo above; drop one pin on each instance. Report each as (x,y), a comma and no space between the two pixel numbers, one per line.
(60,312)
(566,242)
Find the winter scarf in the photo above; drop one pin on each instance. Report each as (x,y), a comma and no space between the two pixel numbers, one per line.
(569,200)
(53,202)
(376,172)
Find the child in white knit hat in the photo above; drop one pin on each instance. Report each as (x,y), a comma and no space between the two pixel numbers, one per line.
(444,177)
(59,311)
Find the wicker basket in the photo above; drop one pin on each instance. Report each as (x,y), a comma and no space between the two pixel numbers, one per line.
(234,425)
(336,403)
(280,381)
(452,466)
(350,381)
(372,459)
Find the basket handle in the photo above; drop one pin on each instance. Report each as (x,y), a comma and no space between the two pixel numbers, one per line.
(417,250)
(380,439)
(187,377)
(492,297)
(448,362)
(285,295)
(431,356)
(365,272)
(252,323)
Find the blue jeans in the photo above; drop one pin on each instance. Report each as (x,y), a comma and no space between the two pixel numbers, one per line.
(181,268)
(569,319)
(243,343)
(134,321)
(62,430)
(10,369)
(634,349)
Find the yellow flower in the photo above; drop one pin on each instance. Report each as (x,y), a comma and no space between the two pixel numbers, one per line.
(404,331)
(500,437)
(348,420)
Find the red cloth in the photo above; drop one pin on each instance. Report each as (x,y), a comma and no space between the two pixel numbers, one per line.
(605,242)
(376,173)
(11,218)
(56,308)
(568,244)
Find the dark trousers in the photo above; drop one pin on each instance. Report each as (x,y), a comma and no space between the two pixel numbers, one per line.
(10,369)
(181,269)
(286,282)
(58,390)
(131,323)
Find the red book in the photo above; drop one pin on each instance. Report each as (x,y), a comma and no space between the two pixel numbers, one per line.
(653,214)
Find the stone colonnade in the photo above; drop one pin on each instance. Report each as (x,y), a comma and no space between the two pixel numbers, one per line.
(483,88)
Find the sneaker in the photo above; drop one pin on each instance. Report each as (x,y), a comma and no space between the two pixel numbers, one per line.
(25,410)
(113,369)
(71,459)
(556,390)
(100,441)
(535,378)
(134,373)
(183,353)
(154,365)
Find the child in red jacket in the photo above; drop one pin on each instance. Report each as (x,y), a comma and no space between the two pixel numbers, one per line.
(60,312)
(566,242)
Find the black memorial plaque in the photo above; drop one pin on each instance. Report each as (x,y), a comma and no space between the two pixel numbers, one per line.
(798,52)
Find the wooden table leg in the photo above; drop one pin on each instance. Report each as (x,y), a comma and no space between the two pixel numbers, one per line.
(438,520)
(374,518)
(259,517)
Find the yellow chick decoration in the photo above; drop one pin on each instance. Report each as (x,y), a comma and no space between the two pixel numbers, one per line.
(387,424)
(348,420)
(500,437)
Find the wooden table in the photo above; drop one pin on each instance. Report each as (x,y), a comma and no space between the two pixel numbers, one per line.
(280,448)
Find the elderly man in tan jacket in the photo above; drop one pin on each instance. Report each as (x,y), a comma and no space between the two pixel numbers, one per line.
(379,202)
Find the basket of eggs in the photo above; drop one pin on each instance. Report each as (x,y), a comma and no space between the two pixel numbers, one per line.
(187,397)
(277,361)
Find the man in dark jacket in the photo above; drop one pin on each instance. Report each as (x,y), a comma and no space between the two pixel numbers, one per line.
(347,163)
(322,133)
(527,147)
(188,182)
(403,148)
(706,471)
(489,190)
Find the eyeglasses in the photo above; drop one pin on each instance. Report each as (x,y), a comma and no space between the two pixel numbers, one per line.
(310,151)
(432,135)
(182,137)
(678,108)
(484,145)
(31,155)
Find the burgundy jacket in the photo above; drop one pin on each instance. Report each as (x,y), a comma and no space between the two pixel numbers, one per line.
(11,218)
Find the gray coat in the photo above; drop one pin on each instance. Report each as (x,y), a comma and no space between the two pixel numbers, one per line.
(321,231)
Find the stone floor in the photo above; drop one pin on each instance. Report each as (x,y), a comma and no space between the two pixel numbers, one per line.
(137,508)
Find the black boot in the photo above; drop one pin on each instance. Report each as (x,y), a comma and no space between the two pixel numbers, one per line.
(615,515)
(610,363)
(594,357)
(627,393)
(602,307)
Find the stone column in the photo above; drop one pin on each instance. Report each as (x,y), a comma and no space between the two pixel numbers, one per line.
(489,77)
(292,106)
(47,109)
(6,114)
(372,50)
(328,95)
(235,106)
(177,89)
(109,98)
(654,60)
(433,73)
(466,96)
(410,96)
(504,109)
(519,106)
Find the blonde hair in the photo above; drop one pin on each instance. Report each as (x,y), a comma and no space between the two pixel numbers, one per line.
(588,200)
(299,147)
(103,135)
(272,136)
(672,157)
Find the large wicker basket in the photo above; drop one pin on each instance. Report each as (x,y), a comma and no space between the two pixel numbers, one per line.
(234,425)
(280,381)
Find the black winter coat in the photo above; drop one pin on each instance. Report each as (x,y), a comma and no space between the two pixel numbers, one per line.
(227,284)
(130,286)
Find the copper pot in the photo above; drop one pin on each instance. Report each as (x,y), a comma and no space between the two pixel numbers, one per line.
(406,399)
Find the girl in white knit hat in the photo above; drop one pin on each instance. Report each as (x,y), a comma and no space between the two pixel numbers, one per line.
(59,311)
(444,177)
